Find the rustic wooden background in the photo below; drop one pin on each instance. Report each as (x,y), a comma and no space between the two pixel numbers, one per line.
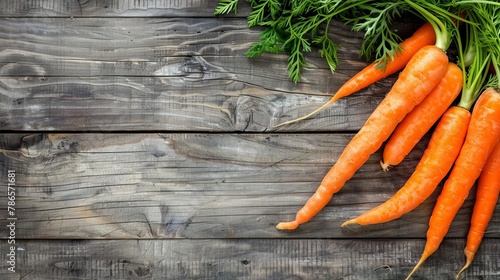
(143,145)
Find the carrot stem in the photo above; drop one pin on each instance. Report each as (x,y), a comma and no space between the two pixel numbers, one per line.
(443,37)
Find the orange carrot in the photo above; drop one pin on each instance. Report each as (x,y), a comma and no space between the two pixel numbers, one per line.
(482,136)
(420,76)
(488,189)
(372,73)
(422,118)
(438,158)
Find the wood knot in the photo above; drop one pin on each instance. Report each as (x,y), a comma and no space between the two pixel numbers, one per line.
(252,113)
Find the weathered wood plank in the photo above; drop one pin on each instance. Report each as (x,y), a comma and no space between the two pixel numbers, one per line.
(113,8)
(156,47)
(245,259)
(205,103)
(200,186)
(178,74)
(123,39)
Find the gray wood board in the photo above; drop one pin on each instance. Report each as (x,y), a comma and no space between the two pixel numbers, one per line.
(113,8)
(190,185)
(244,259)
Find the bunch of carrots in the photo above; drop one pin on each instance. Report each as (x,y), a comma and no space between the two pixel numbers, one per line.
(465,143)
(465,139)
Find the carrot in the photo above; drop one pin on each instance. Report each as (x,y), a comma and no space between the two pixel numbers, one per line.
(483,132)
(482,136)
(488,186)
(488,189)
(420,76)
(438,158)
(414,126)
(374,72)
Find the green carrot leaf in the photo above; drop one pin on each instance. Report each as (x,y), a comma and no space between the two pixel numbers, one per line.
(226,6)
(328,51)
(270,41)
(376,21)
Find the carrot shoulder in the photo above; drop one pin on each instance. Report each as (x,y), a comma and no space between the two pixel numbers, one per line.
(424,36)
(482,136)
(414,126)
(417,80)
(488,189)
(438,158)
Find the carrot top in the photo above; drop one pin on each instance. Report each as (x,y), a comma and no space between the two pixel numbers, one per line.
(295,27)
(490,37)
(440,19)
(482,48)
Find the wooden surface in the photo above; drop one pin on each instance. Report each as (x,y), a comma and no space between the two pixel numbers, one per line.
(143,145)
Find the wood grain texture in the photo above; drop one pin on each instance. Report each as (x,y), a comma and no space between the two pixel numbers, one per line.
(244,259)
(89,186)
(162,104)
(165,74)
(113,8)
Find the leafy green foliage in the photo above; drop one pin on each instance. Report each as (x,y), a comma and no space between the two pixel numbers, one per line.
(493,81)
(328,51)
(482,43)
(489,29)
(292,28)
(377,20)
(262,10)
(297,27)
(226,6)
(271,41)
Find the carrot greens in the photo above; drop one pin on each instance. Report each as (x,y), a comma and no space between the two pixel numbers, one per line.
(489,36)
(482,47)
(380,39)
(226,6)
(296,27)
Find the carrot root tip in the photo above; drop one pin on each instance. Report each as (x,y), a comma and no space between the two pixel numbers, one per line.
(349,222)
(385,166)
(310,114)
(420,262)
(469,256)
(467,264)
(287,225)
